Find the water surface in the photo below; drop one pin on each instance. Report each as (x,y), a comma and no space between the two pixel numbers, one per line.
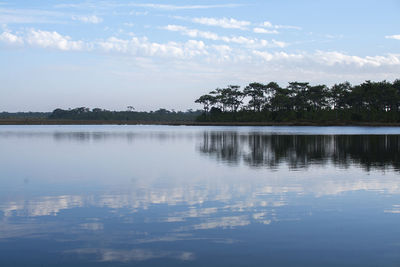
(199,196)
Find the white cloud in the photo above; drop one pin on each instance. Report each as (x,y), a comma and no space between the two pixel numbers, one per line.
(396,37)
(82,5)
(268,24)
(10,15)
(182,7)
(262,30)
(43,39)
(228,23)
(332,58)
(287,27)
(231,23)
(10,38)
(247,50)
(134,46)
(279,43)
(222,53)
(331,36)
(138,13)
(107,5)
(46,39)
(142,47)
(241,40)
(192,32)
(88,19)
(277,56)
(223,49)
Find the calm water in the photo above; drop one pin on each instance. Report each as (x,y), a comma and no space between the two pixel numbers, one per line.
(199,196)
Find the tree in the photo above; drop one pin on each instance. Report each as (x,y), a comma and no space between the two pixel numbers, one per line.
(206,101)
(338,95)
(299,92)
(233,97)
(318,97)
(396,86)
(281,100)
(256,93)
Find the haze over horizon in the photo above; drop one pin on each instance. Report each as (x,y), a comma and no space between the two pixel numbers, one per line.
(114,54)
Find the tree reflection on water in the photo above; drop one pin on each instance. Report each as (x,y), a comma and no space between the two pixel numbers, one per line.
(300,151)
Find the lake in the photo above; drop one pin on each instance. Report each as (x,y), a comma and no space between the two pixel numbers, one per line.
(199,196)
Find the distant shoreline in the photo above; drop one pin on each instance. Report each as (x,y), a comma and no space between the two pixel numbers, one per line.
(177,123)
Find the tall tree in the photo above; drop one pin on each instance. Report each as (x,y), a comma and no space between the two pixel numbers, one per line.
(338,95)
(256,93)
(299,93)
(317,97)
(234,97)
(207,101)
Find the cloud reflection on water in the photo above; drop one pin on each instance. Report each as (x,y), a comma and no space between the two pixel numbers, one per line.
(114,255)
(254,180)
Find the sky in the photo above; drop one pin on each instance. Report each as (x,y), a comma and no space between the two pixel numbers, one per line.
(165,54)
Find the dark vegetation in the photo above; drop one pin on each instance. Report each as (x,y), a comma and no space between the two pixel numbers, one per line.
(24,115)
(83,115)
(161,115)
(301,102)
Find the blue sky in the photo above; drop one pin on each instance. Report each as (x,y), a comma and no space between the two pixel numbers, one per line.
(113,54)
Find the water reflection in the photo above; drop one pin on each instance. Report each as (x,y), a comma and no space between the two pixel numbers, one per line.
(126,256)
(195,196)
(302,151)
(95,136)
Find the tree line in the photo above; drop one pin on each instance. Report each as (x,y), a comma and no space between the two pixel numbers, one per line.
(24,115)
(160,115)
(300,101)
